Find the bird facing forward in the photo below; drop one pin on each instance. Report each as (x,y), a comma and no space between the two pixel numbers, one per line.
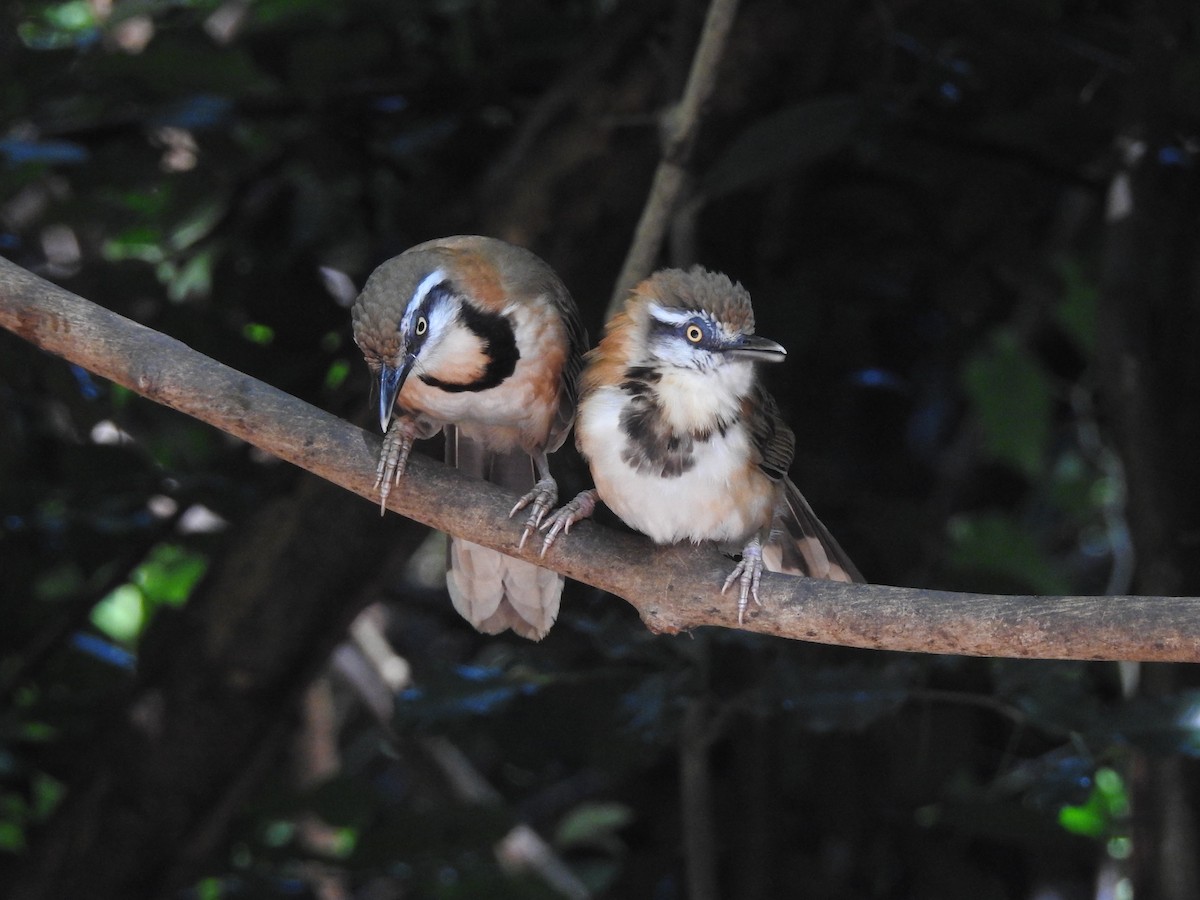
(481,338)
(685,444)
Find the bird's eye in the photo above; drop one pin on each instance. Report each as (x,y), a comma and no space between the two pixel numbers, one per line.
(694,333)
(422,326)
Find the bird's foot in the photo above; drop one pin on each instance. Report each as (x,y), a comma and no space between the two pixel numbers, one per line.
(749,573)
(539,500)
(561,521)
(393,458)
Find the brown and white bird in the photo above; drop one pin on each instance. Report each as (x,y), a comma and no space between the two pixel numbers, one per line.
(685,444)
(480,338)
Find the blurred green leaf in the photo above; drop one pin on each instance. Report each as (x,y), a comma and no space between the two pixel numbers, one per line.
(1103,812)
(1000,545)
(12,836)
(61,25)
(193,278)
(258,333)
(1076,310)
(592,824)
(337,373)
(142,243)
(169,574)
(1010,393)
(122,614)
(278,833)
(48,792)
(209,889)
(196,224)
(74,15)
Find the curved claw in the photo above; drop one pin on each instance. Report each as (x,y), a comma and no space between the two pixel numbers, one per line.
(579,508)
(393,458)
(543,496)
(749,573)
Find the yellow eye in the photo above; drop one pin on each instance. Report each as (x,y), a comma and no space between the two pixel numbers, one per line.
(694,334)
(422,326)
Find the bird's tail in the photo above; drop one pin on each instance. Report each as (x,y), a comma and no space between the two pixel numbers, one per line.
(490,590)
(803,546)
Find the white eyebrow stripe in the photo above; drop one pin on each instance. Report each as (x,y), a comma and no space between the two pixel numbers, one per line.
(670,316)
(437,276)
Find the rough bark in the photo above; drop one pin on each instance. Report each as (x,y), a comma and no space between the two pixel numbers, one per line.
(673,588)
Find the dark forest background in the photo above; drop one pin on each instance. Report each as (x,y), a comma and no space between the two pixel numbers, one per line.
(974,225)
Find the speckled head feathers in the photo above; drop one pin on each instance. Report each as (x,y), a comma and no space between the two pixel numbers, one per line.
(376,312)
(701,290)
(488,270)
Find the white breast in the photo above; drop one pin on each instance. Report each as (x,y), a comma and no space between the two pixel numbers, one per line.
(694,399)
(720,498)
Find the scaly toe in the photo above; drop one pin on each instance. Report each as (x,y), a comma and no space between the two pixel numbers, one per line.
(393,459)
(748,573)
(539,500)
(529,529)
(554,526)
(747,588)
(577,509)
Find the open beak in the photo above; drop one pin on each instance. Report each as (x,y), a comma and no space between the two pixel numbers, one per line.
(761,349)
(391,380)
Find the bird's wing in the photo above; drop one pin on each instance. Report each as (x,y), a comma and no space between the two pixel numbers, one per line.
(773,442)
(800,544)
(805,546)
(577,345)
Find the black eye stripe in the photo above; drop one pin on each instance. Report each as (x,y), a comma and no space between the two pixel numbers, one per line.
(440,292)
(499,340)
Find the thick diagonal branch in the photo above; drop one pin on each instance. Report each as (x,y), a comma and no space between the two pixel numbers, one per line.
(673,588)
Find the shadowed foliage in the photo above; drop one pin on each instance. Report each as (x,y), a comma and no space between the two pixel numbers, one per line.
(974,227)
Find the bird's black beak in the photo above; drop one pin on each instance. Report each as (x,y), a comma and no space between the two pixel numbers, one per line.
(761,349)
(391,379)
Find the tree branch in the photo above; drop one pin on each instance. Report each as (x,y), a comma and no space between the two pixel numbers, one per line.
(680,129)
(673,588)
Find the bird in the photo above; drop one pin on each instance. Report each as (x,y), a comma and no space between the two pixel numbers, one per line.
(684,443)
(478,338)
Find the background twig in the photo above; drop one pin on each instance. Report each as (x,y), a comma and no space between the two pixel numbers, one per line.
(680,127)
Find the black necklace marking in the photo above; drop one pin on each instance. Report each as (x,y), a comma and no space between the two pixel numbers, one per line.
(640,380)
(499,341)
(654,446)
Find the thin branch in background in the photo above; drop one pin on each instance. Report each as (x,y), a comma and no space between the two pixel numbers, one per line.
(695,799)
(628,22)
(522,848)
(681,125)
